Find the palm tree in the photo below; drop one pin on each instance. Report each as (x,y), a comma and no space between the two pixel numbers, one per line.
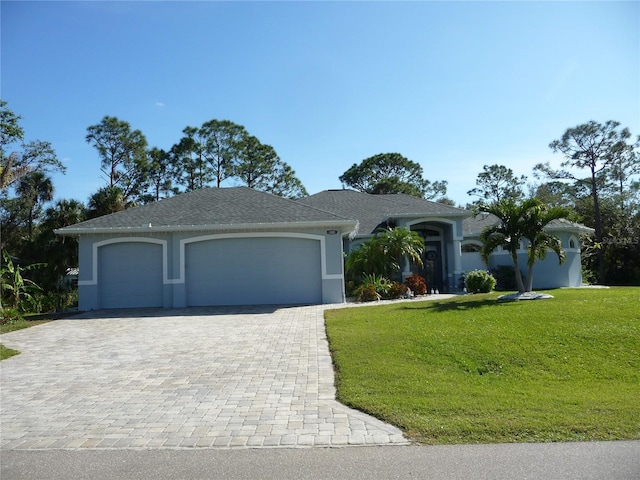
(385,253)
(60,252)
(518,222)
(399,244)
(34,188)
(106,200)
(541,241)
(366,259)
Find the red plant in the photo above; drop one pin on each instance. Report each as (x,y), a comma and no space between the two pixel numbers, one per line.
(416,284)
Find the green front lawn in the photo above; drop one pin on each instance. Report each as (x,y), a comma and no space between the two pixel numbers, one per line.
(472,369)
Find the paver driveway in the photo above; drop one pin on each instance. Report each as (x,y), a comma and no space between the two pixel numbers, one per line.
(217,377)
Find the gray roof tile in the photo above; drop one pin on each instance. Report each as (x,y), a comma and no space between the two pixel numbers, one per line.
(473,226)
(374,210)
(237,206)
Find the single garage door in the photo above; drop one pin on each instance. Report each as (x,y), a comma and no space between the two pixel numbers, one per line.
(253,271)
(130,275)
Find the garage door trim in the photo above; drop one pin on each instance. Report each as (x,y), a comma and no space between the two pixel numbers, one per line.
(308,236)
(94,275)
(181,279)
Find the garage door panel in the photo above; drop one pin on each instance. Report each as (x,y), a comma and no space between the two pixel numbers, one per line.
(253,271)
(130,275)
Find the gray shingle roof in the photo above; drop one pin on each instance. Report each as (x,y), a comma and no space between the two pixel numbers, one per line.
(373,210)
(473,226)
(237,207)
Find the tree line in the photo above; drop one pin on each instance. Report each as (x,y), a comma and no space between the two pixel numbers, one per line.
(597,181)
(205,156)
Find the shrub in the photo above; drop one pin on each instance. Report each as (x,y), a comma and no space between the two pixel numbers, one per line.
(479,281)
(367,293)
(395,290)
(9,315)
(416,284)
(375,287)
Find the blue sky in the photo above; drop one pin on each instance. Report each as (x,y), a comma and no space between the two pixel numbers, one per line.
(451,85)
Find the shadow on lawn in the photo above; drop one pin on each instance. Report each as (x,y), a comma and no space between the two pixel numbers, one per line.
(468,303)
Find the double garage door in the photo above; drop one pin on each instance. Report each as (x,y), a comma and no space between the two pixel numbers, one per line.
(226,271)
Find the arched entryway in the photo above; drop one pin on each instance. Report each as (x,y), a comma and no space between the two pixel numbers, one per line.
(434,265)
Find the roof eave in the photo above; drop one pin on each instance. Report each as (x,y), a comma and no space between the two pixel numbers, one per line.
(430,215)
(581,228)
(560,228)
(345,226)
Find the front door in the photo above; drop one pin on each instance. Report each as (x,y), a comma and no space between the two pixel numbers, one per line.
(432,269)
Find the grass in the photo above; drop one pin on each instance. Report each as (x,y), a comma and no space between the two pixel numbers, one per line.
(13,326)
(7,352)
(472,369)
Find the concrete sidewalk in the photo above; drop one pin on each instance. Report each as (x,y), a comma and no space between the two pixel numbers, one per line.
(210,377)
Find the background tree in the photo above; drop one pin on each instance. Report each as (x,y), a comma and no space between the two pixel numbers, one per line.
(558,194)
(14,215)
(105,201)
(596,148)
(59,252)
(27,157)
(222,143)
(261,168)
(392,173)
(122,154)
(284,183)
(34,189)
(183,167)
(159,175)
(256,163)
(496,182)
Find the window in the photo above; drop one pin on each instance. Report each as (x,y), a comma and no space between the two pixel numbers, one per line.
(470,248)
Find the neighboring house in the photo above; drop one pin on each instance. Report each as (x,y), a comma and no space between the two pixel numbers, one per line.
(238,246)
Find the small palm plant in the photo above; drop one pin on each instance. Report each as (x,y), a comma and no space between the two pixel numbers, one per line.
(401,244)
(385,253)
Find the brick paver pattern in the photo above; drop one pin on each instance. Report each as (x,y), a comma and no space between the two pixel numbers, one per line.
(212,377)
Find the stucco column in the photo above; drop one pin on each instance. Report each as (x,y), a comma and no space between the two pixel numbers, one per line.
(457,263)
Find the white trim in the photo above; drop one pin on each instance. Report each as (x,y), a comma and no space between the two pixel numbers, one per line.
(576,243)
(453,223)
(96,245)
(344,226)
(308,236)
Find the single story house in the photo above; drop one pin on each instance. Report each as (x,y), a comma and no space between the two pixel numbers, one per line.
(239,246)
